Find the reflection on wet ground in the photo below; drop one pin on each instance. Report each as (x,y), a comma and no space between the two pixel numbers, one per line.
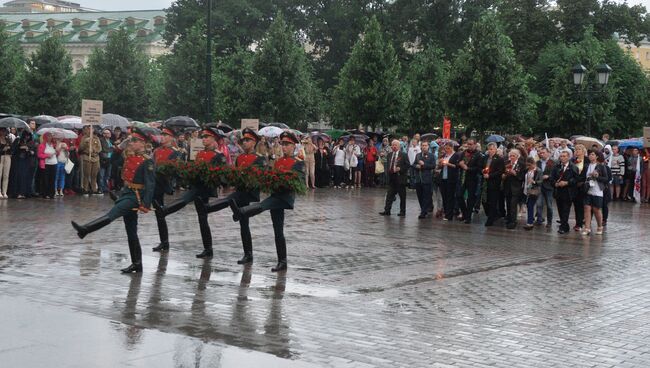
(361,291)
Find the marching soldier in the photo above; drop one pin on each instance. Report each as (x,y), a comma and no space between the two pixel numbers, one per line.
(199,194)
(241,196)
(167,152)
(277,202)
(136,196)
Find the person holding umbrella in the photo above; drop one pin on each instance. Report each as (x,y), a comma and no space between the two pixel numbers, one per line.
(276,202)
(243,197)
(199,193)
(167,152)
(136,196)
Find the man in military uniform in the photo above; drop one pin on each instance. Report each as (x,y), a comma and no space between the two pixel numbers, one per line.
(136,196)
(241,196)
(199,194)
(166,153)
(277,202)
(89,153)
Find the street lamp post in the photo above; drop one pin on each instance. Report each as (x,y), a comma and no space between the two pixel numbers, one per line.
(579,73)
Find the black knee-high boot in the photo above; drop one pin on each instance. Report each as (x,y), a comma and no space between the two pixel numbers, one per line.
(167,210)
(136,257)
(246,211)
(216,206)
(206,235)
(281,249)
(83,230)
(163,232)
(247,241)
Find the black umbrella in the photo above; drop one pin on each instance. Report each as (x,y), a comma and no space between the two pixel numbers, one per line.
(225,127)
(12,122)
(181,122)
(428,137)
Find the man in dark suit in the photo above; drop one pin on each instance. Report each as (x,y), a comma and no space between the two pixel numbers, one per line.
(513,180)
(545,165)
(424,164)
(450,174)
(397,166)
(564,178)
(493,168)
(472,164)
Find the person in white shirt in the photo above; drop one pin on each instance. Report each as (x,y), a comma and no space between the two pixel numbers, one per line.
(352,155)
(339,161)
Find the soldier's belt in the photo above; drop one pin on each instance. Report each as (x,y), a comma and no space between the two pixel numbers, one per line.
(134,186)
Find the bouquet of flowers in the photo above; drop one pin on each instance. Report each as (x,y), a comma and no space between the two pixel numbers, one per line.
(193,173)
(275,181)
(243,178)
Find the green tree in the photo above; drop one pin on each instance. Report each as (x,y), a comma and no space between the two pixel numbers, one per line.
(628,21)
(48,82)
(575,17)
(233,77)
(184,76)
(563,110)
(632,88)
(117,75)
(11,73)
(282,86)
(369,91)
(427,81)
(529,25)
(487,88)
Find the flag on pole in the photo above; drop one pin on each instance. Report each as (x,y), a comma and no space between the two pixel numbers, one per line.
(637,180)
(446,128)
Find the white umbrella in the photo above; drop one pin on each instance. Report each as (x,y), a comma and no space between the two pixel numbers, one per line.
(588,142)
(114,120)
(58,133)
(270,132)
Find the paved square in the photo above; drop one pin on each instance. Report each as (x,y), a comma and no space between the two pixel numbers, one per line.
(361,291)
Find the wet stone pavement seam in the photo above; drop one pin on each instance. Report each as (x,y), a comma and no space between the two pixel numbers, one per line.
(361,291)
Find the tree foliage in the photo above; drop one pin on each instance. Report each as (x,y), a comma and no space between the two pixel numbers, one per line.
(427,82)
(48,82)
(282,86)
(487,88)
(11,73)
(232,80)
(117,75)
(369,91)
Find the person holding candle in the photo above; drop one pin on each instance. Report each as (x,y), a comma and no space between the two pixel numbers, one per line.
(448,165)
(513,179)
(595,179)
(493,168)
(564,178)
(579,198)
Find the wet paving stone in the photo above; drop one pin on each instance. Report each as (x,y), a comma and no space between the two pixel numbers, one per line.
(361,290)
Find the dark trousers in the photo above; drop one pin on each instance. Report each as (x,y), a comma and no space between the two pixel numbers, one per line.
(277,217)
(370,174)
(448,190)
(493,196)
(513,198)
(545,199)
(424,193)
(339,175)
(579,207)
(472,197)
(163,232)
(564,209)
(395,187)
(46,178)
(124,207)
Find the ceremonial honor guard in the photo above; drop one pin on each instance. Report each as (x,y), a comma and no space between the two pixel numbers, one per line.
(166,153)
(199,194)
(241,196)
(136,196)
(277,202)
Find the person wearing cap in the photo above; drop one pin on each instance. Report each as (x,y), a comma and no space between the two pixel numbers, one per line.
(241,196)
(89,153)
(199,194)
(165,153)
(136,196)
(276,202)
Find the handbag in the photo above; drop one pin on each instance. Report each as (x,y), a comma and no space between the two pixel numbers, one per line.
(534,191)
(69,165)
(379,167)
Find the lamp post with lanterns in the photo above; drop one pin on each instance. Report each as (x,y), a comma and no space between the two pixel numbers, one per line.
(579,74)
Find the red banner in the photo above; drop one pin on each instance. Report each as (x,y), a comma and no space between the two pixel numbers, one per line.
(446,128)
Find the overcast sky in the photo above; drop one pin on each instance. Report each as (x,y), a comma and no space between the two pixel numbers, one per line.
(161,4)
